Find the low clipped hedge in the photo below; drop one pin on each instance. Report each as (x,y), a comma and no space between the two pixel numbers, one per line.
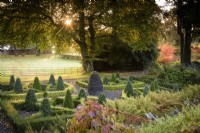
(36,121)
(13,96)
(136,84)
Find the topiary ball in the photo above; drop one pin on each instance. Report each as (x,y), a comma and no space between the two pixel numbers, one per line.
(18,86)
(12,82)
(68,102)
(82,94)
(52,80)
(30,101)
(60,84)
(129,90)
(102,99)
(45,107)
(95,86)
(36,84)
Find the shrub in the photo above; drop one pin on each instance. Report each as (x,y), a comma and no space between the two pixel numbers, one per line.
(113,78)
(18,86)
(37,84)
(30,101)
(105,81)
(45,94)
(166,53)
(12,82)
(131,79)
(68,102)
(146,90)
(95,86)
(180,75)
(117,76)
(52,80)
(45,107)
(154,85)
(129,90)
(82,94)
(101,99)
(60,84)
(92,117)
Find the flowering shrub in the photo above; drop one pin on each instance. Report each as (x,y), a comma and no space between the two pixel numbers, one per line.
(166,53)
(92,117)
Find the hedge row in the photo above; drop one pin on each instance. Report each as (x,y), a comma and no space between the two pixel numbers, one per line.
(37,121)
(136,84)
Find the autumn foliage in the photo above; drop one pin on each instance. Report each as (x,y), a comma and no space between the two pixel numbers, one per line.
(166,53)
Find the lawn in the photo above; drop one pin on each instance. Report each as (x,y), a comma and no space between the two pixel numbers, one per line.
(30,65)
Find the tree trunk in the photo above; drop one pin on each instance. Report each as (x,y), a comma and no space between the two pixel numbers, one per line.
(87,65)
(187,46)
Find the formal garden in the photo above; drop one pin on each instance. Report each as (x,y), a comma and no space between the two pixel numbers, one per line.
(108,66)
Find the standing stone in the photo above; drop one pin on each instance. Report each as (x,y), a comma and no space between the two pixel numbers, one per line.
(95,86)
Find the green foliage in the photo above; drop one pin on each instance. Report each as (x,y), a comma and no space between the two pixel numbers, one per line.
(60,84)
(113,78)
(45,107)
(154,85)
(117,76)
(52,80)
(68,102)
(146,90)
(102,99)
(45,94)
(131,79)
(186,122)
(30,101)
(36,84)
(180,75)
(82,94)
(12,82)
(105,81)
(129,90)
(18,86)
(95,85)
(92,117)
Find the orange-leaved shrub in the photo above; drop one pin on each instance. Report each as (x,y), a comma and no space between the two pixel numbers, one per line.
(167,53)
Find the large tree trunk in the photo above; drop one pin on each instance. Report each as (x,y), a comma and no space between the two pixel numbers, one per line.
(187,46)
(87,65)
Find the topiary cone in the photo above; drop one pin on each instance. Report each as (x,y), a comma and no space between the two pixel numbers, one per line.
(37,84)
(95,86)
(12,82)
(45,107)
(30,101)
(18,86)
(68,102)
(52,80)
(60,84)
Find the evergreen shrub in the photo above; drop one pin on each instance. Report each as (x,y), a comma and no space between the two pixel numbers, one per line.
(113,78)
(95,86)
(68,102)
(60,84)
(18,86)
(129,90)
(102,99)
(82,94)
(52,80)
(154,85)
(45,107)
(30,101)
(12,82)
(146,90)
(105,81)
(36,84)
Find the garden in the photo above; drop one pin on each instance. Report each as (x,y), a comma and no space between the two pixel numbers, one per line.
(106,102)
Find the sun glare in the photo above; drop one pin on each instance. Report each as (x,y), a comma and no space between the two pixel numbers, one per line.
(68,22)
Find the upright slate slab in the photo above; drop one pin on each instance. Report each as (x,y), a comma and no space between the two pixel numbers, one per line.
(95,86)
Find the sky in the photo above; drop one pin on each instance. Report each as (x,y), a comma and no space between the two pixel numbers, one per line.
(163,4)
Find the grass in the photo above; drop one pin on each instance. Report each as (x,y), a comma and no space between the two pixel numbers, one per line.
(38,65)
